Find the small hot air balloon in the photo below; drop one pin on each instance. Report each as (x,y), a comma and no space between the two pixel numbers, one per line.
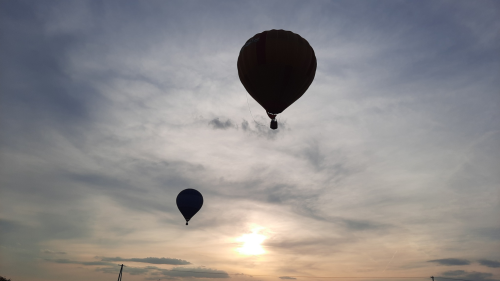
(189,202)
(276,67)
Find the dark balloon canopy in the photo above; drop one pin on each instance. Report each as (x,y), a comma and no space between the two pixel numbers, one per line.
(189,202)
(276,67)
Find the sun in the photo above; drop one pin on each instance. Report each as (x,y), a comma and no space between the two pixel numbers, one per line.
(251,243)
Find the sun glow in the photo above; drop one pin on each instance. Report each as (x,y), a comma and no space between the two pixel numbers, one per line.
(251,243)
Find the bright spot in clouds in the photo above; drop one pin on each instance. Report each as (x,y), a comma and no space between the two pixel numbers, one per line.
(251,243)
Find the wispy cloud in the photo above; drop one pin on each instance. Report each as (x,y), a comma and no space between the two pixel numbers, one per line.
(197,272)
(68,261)
(176,272)
(451,261)
(129,269)
(217,124)
(489,263)
(108,261)
(53,252)
(149,260)
(469,275)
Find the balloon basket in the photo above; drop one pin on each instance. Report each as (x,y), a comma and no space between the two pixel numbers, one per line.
(274,124)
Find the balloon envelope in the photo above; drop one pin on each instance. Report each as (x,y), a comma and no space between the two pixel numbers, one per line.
(189,202)
(276,67)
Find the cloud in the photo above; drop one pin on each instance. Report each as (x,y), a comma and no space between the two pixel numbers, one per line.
(53,252)
(262,129)
(451,261)
(489,263)
(150,260)
(176,272)
(99,180)
(94,106)
(245,125)
(11,227)
(63,261)
(363,225)
(454,273)
(309,245)
(492,233)
(126,269)
(197,272)
(64,102)
(287,277)
(315,155)
(217,124)
(468,275)
(109,261)
(96,263)
(67,261)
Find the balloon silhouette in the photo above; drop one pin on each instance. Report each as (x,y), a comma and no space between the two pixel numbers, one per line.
(189,202)
(276,67)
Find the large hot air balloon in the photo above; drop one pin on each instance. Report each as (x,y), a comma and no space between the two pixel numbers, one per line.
(189,202)
(276,67)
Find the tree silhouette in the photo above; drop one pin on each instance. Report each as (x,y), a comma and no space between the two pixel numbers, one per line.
(4,279)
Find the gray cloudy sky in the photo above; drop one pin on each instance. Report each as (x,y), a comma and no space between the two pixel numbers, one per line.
(387,166)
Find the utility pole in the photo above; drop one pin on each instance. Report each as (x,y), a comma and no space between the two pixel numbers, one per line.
(120,275)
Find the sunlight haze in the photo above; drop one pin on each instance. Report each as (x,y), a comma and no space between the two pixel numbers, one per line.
(251,243)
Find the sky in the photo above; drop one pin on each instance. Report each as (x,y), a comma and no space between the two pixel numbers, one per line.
(386,167)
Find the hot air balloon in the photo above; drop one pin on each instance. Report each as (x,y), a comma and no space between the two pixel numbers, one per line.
(189,202)
(276,67)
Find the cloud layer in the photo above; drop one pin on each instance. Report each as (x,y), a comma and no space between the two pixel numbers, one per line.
(451,261)
(387,165)
(149,260)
